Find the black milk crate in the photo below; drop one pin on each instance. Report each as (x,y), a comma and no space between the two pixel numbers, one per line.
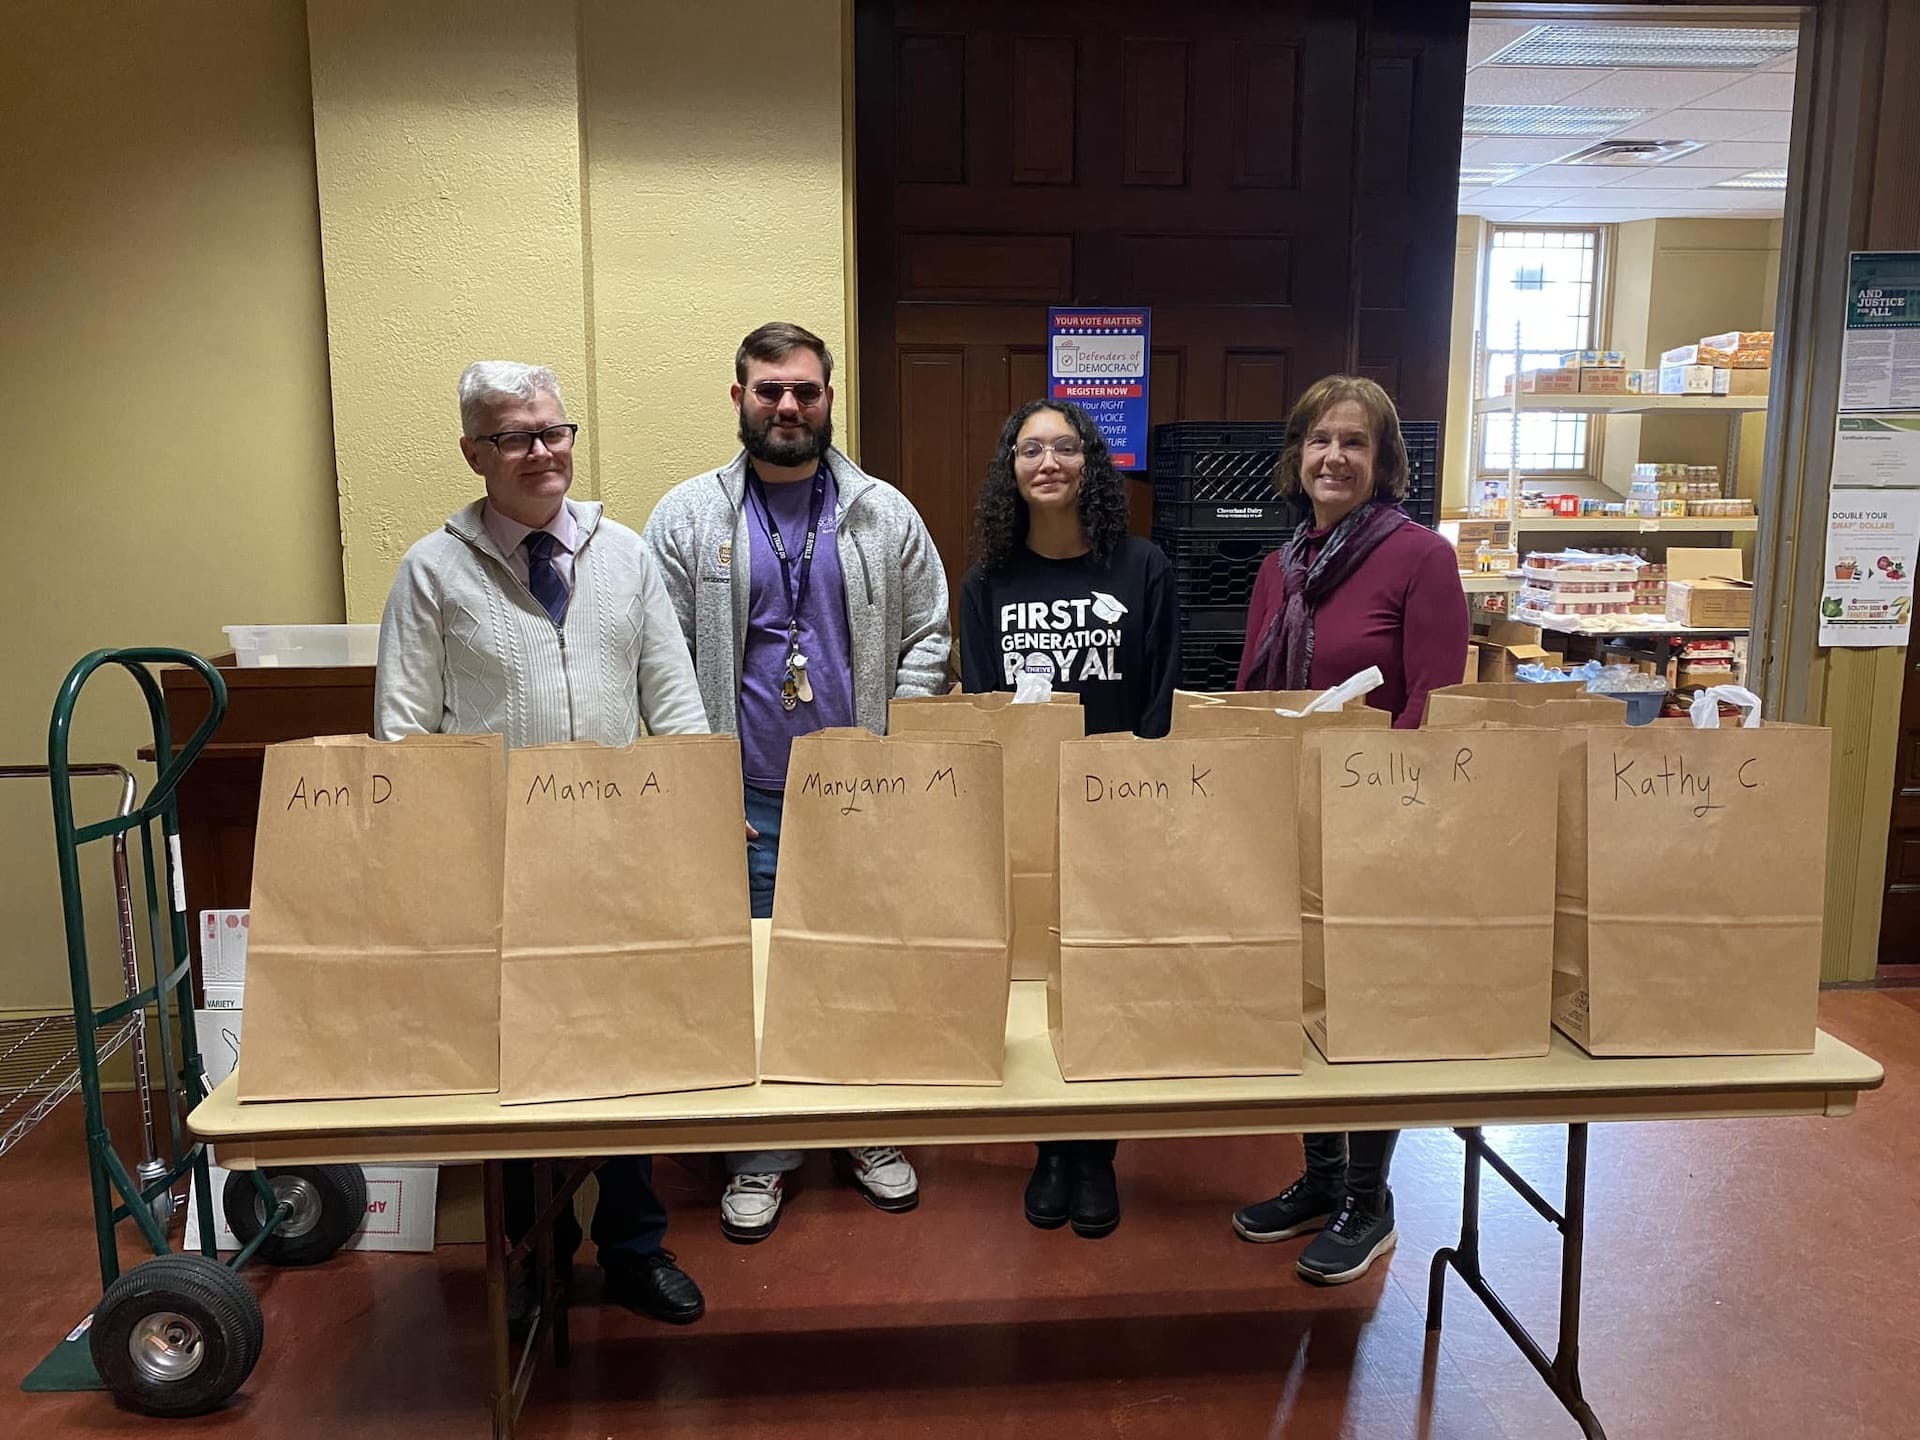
(1423,469)
(1223,618)
(1215,568)
(1210,659)
(1272,514)
(1226,462)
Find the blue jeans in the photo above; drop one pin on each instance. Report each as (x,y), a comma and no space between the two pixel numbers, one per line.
(763,854)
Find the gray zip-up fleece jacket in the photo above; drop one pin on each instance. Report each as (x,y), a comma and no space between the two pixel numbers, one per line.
(896,591)
(466,649)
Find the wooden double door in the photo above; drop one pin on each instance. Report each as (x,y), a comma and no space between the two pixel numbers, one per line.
(1274,178)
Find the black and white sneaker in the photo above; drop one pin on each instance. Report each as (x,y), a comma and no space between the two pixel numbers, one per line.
(1347,1248)
(1300,1208)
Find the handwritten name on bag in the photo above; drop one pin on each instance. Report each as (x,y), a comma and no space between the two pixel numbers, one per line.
(1639,778)
(852,789)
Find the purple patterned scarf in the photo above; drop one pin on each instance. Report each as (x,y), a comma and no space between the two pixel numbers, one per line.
(1285,657)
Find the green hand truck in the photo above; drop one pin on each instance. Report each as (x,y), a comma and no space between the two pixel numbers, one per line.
(179,1334)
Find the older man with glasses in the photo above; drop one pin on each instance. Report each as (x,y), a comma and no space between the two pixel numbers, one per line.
(534,617)
(811,594)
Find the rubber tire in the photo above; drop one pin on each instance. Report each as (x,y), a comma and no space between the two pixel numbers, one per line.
(343,1210)
(215,1298)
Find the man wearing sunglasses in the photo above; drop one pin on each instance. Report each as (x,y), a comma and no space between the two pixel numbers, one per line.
(812,595)
(532,616)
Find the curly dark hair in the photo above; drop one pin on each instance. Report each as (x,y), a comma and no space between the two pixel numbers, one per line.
(1000,515)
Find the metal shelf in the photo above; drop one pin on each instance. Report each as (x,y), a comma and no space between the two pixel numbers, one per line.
(1621,404)
(1638,525)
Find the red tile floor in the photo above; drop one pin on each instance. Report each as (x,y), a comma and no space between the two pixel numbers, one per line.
(1749,1279)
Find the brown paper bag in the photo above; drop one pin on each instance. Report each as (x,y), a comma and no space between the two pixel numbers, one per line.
(373,967)
(626,962)
(1029,738)
(888,963)
(1195,971)
(1219,721)
(1543,692)
(1416,959)
(1706,863)
(1185,701)
(1570,719)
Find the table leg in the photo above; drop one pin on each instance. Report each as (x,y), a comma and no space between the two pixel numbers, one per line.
(552,1290)
(1562,1371)
(500,1398)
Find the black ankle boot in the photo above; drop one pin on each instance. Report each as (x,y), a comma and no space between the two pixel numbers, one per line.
(1096,1195)
(1049,1188)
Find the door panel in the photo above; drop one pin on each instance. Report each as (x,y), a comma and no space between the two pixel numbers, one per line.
(1275,178)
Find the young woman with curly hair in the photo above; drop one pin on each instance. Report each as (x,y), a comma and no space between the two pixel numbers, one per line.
(1060,588)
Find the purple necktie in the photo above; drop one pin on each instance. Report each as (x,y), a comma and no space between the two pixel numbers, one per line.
(543,576)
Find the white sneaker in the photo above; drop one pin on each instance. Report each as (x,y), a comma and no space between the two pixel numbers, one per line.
(884,1176)
(751,1207)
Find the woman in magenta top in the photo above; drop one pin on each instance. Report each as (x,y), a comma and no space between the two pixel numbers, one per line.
(1359,584)
(1362,584)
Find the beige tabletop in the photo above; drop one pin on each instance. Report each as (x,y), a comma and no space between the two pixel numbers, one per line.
(1035,1103)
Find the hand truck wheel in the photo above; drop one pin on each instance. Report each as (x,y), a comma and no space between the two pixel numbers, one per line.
(176,1336)
(328,1206)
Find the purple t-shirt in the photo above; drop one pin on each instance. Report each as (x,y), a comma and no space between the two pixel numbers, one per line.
(767,730)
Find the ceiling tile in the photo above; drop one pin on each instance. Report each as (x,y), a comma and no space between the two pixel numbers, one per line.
(1774,125)
(1785,63)
(1747,154)
(1522,149)
(1525,84)
(1667,177)
(1575,177)
(1488,37)
(1506,217)
(1521,196)
(1650,88)
(1755,92)
(1689,123)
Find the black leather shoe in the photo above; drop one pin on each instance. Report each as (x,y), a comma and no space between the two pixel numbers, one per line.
(654,1285)
(1048,1190)
(1096,1196)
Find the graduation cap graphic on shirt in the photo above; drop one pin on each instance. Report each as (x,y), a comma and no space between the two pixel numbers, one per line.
(1106,607)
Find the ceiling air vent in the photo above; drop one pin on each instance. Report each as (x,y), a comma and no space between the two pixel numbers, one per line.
(1546,119)
(1631,152)
(1649,47)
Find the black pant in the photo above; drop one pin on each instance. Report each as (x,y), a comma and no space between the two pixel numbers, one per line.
(628,1219)
(1088,1149)
(1340,1163)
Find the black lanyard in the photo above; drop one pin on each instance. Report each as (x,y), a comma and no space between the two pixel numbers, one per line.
(796,596)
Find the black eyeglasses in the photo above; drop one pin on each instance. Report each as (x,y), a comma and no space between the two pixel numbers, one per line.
(518,444)
(806,393)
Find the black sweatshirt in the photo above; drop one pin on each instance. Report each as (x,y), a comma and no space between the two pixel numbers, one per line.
(1109,633)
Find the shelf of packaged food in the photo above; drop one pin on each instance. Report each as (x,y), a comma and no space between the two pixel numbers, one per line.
(1640,525)
(1622,404)
(1475,584)
(1648,626)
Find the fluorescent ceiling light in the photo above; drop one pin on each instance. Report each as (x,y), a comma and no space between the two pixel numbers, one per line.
(1756,180)
(1546,119)
(1649,47)
(1490,174)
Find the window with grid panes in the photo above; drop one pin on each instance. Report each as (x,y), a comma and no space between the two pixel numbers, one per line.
(1541,288)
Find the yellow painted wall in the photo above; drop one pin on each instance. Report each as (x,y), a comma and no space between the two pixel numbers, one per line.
(714,205)
(448,146)
(164,345)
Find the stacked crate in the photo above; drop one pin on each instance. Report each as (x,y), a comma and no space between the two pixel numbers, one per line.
(1217,515)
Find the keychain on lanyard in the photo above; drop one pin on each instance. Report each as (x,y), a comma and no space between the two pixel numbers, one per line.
(795,688)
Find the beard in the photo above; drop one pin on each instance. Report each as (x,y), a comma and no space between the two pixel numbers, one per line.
(761,444)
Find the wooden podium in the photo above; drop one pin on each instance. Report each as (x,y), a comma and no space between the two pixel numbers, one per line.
(220,795)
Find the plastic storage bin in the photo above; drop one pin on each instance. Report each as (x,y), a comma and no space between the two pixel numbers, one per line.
(262,647)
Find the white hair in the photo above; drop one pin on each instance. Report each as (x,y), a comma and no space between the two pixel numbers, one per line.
(486,381)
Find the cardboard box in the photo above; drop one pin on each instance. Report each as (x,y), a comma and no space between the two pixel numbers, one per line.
(1729,381)
(1593,360)
(1681,355)
(1737,349)
(1686,379)
(1466,537)
(224,997)
(1551,382)
(1712,601)
(1473,663)
(400,1198)
(1643,382)
(223,946)
(1500,660)
(1698,562)
(1603,382)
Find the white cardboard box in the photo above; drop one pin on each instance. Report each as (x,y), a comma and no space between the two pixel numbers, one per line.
(400,1198)
(223,946)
